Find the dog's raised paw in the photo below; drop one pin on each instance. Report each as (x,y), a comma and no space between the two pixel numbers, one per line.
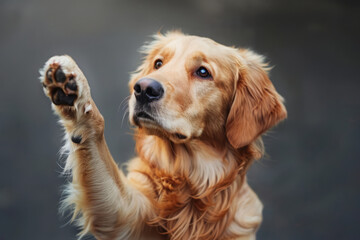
(59,80)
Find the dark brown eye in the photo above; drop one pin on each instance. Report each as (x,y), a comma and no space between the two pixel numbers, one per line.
(158,63)
(203,72)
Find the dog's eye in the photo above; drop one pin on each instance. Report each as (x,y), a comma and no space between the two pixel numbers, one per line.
(158,63)
(203,72)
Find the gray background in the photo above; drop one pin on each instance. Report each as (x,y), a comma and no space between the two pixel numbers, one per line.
(309,183)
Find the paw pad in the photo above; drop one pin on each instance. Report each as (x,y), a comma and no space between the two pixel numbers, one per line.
(62,87)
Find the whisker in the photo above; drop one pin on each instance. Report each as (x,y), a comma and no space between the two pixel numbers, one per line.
(125,107)
(124,115)
(124,101)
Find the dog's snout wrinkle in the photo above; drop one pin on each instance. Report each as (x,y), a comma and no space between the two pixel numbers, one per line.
(147,90)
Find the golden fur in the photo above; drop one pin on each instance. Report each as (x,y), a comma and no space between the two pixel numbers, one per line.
(188,179)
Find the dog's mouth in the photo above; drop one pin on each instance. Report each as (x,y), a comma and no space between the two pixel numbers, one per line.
(144,115)
(144,119)
(180,136)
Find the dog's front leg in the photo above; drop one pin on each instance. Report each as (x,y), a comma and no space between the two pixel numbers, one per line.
(103,202)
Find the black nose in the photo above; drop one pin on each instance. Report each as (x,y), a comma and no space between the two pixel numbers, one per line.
(147,90)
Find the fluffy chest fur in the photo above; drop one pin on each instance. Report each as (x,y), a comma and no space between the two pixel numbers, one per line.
(193,186)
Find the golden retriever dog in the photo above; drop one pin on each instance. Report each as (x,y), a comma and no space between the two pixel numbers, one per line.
(199,109)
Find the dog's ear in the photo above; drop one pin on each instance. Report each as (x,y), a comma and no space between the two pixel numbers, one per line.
(256,105)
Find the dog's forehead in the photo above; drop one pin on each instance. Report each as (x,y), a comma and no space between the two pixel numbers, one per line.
(188,45)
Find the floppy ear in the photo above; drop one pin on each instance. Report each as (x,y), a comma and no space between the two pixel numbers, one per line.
(256,106)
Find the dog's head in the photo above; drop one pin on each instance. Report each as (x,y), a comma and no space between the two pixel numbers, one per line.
(191,87)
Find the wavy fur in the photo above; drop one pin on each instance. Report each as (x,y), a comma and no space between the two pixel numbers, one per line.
(188,180)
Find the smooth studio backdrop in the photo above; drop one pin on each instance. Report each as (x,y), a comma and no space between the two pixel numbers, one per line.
(309,181)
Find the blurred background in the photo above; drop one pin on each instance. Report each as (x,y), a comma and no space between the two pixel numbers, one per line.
(309,182)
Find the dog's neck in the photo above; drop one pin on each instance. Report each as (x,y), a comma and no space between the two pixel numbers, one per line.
(191,161)
(194,178)
(194,156)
